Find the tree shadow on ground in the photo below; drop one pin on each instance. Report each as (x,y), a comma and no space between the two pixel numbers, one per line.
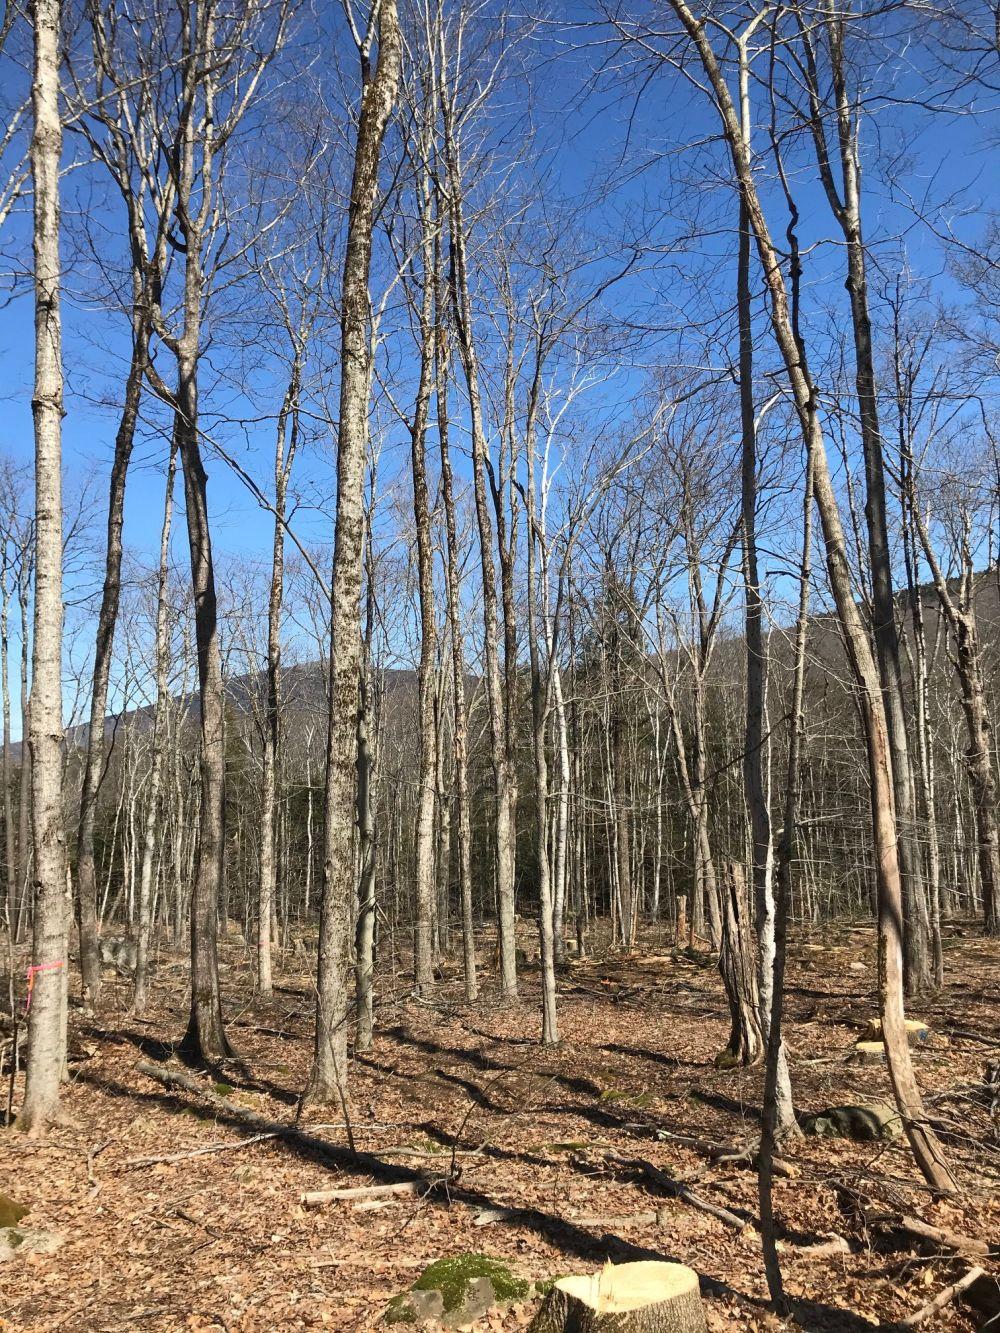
(235,1072)
(477,1058)
(657,1057)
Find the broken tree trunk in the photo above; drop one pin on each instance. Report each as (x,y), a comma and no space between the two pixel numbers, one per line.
(647,1297)
(739,975)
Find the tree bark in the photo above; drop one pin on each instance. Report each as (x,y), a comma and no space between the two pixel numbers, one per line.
(328,1077)
(145,912)
(739,974)
(107,619)
(47,1016)
(505,793)
(460,713)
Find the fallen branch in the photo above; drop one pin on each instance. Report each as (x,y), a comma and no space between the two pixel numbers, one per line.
(889,1220)
(963,1035)
(727,1154)
(677,1189)
(952,1240)
(943,1298)
(314,1198)
(199,1152)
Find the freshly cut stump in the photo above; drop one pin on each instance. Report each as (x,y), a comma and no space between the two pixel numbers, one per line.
(646,1297)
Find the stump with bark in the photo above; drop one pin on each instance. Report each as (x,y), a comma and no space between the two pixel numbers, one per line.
(647,1297)
(737,965)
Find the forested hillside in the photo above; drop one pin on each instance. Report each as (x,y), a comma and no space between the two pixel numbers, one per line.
(499,659)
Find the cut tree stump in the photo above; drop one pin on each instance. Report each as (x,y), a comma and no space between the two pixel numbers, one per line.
(647,1297)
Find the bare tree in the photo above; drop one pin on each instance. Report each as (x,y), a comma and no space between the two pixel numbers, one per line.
(48,975)
(379,82)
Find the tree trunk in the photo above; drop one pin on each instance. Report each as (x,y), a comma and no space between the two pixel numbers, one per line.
(754,759)
(205,1039)
(423,953)
(643,1297)
(47,1015)
(774,1116)
(93,767)
(271,759)
(24,839)
(846,208)
(328,1077)
(738,967)
(460,717)
(503,777)
(365,933)
(159,748)
(11,895)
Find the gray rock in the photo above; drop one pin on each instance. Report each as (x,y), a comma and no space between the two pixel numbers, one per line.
(864,1124)
(16,1242)
(119,953)
(457,1292)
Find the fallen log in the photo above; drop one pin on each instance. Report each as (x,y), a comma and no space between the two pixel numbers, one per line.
(314,1198)
(725,1154)
(942,1299)
(646,1297)
(951,1240)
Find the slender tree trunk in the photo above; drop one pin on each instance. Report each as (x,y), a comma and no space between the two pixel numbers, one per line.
(845,203)
(24,838)
(107,619)
(205,1039)
(159,747)
(328,1077)
(460,715)
(423,960)
(772,1114)
(762,852)
(47,1016)
(503,777)
(11,895)
(365,934)
(561,852)
(284,453)
(959,610)
(541,682)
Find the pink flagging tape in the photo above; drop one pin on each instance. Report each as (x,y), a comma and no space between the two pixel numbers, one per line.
(34,970)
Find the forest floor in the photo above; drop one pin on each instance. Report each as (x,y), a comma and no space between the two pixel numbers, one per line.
(538,1153)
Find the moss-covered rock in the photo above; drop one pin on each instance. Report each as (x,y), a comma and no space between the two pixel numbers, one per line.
(16,1242)
(457,1291)
(865,1124)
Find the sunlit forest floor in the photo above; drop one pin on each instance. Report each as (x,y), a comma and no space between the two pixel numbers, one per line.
(553,1160)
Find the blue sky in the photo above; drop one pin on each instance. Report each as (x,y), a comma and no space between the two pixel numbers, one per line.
(626,168)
